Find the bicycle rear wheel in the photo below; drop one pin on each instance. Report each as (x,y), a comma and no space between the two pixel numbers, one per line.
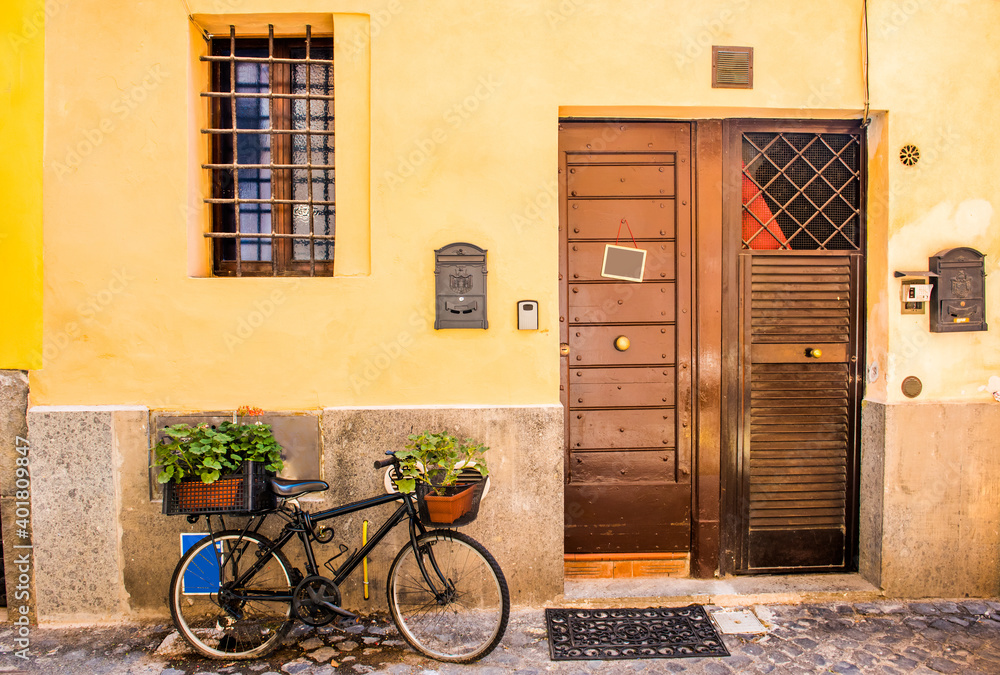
(221,618)
(465,620)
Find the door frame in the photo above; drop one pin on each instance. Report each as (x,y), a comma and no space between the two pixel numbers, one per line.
(709,400)
(715,355)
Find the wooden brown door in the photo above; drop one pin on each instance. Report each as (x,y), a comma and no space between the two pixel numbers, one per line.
(628,456)
(799,236)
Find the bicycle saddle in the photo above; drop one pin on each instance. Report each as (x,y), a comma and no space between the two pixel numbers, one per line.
(285,487)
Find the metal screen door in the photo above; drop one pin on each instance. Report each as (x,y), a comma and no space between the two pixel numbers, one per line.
(800,262)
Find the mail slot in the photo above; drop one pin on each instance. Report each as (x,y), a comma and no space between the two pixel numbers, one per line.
(460,271)
(958,300)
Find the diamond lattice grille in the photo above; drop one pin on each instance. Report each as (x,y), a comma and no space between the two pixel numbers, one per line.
(802,191)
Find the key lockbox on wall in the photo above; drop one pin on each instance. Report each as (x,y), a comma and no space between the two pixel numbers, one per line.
(958,301)
(460,286)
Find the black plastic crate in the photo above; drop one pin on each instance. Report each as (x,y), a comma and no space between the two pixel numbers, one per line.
(247,491)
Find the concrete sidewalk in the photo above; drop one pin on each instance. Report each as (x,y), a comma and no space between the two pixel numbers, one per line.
(927,637)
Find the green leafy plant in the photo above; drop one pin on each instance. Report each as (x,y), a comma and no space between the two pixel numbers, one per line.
(254,443)
(208,452)
(438,460)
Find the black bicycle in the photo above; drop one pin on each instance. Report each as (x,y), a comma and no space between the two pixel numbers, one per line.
(234,595)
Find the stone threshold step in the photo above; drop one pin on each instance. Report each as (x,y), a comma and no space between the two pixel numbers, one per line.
(724,592)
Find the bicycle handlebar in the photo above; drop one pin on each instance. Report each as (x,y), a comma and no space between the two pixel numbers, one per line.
(381,464)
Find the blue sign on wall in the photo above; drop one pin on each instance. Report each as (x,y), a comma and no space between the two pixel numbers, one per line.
(202,575)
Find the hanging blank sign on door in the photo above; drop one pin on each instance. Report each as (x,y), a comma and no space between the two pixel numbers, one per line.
(624,263)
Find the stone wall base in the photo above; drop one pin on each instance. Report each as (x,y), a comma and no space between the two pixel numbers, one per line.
(520,521)
(930,499)
(930,486)
(15,502)
(96,513)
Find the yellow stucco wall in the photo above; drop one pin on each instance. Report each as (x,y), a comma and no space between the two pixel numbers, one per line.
(22,27)
(935,67)
(447,131)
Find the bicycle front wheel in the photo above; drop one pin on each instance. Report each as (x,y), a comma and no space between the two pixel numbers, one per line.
(233,602)
(463,618)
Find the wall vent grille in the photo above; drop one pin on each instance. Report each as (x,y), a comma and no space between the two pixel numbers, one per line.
(732,67)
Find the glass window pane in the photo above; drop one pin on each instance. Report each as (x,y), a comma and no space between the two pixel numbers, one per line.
(319,150)
(255,183)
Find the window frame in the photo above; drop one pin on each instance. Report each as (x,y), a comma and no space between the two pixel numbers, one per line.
(222,166)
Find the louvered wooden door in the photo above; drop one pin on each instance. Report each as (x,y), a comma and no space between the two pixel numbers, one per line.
(799,399)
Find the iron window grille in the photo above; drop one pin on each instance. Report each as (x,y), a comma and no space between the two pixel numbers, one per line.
(272,155)
(801,191)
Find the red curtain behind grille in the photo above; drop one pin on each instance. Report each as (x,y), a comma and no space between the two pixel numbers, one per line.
(771,238)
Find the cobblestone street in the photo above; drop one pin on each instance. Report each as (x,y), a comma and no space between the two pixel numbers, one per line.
(877,637)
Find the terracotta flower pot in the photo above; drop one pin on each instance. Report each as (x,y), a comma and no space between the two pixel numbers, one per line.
(449,508)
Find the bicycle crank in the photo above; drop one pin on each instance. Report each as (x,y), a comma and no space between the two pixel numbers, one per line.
(316,602)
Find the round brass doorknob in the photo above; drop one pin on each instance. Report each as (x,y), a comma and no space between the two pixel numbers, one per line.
(813,353)
(622,343)
(564,349)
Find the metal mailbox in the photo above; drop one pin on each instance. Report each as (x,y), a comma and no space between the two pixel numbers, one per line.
(460,271)
(958,301)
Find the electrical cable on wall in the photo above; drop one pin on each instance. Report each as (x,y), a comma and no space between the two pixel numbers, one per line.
(865,120)
(204,33)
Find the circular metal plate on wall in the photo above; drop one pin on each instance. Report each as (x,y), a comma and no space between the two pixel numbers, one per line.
(912,386)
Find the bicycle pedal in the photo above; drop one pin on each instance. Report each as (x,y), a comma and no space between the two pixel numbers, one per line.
(345,621)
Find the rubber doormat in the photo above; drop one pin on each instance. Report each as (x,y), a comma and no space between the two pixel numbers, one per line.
(655,633)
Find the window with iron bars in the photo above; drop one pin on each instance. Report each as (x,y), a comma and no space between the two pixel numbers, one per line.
(272,155)
(802,191)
